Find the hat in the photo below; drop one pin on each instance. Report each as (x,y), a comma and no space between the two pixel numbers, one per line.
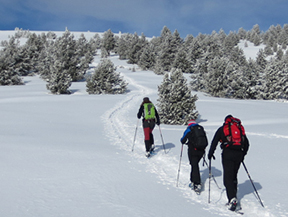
(228,116)
(146,99)
(192,121)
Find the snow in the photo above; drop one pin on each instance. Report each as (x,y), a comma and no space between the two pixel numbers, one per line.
(71,155)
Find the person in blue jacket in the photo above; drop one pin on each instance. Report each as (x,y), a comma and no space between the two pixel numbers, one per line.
(194,154)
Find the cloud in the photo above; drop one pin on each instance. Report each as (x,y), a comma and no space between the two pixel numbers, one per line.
(147,16)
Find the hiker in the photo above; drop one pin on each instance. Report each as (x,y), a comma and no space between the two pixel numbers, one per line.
(195,137)
(150,116)
(234,145)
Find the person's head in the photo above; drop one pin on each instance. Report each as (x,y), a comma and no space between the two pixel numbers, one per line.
(146,100)
(228,116)
(227,119)
(190,122)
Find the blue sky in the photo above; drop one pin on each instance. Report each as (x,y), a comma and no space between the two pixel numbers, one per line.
(142,16)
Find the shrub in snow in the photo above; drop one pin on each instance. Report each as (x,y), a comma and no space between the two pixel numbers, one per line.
(106,80)
(176,103)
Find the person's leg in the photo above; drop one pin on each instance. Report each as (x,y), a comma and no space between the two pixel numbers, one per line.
(228,177)
(147,131)
(195,172)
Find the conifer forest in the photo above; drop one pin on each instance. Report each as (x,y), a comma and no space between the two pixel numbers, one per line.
(214,62)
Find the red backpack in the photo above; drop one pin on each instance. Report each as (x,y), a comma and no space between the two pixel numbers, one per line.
(234,132)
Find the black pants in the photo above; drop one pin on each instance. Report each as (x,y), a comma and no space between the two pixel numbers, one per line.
(194,158)
(231,161)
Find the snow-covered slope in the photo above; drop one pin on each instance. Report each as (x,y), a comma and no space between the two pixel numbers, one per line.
(70,155)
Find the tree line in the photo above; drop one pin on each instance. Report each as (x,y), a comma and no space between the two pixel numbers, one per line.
(214,62)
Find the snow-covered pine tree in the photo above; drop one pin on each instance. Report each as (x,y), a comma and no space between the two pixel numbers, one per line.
(166,51)
(84,53)
(62,61)
(215,80)
(147,58)
(253,76)
(276,80)
(108,41)
(135,48)
(242,33)
(176,103)
(237,81)
(106,80)
(8,76)
(8,61)
(182,62)
(95,43)
(260,59)
(60,79)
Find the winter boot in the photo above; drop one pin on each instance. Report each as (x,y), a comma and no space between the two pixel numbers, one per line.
(191,185)
(233,204)
(147,154)
(197,188)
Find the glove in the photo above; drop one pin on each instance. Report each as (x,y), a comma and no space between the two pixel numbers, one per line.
(210,156)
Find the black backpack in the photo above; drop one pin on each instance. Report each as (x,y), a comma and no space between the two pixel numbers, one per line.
(200,139)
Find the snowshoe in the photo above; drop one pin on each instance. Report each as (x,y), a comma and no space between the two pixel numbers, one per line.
(191,185)
(197,188)
(233,204)
(147,154)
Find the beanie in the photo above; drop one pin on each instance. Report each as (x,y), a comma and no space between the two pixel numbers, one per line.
(192,121)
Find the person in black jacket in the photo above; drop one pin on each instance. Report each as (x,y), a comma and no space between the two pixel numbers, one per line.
(194,154)
(150,116)
(231,161)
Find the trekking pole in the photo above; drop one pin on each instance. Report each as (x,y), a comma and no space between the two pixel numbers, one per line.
(179,165)
(162,139)
(253,184)
(209,180)
(204,161)
(135,135)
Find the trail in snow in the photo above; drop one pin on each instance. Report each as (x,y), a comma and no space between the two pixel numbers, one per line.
(121,128)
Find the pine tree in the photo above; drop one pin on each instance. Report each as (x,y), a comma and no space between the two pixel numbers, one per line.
(7,75)
(108,41)
(176,103)
(135,48)
(276,81)
(60,79)
(260,59)
(182,62)
(167,50)
(106,80)
(216,81)
(147,58)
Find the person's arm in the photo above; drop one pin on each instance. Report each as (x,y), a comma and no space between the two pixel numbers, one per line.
(157,117)
(140,112)
(185,135)
(214,143)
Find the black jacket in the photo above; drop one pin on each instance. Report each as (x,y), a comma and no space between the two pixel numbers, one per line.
(188,137)
(220,137)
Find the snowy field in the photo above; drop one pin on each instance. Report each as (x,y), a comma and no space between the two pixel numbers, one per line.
(70,155)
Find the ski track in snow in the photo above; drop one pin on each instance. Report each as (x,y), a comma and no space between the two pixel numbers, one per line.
(165,166)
